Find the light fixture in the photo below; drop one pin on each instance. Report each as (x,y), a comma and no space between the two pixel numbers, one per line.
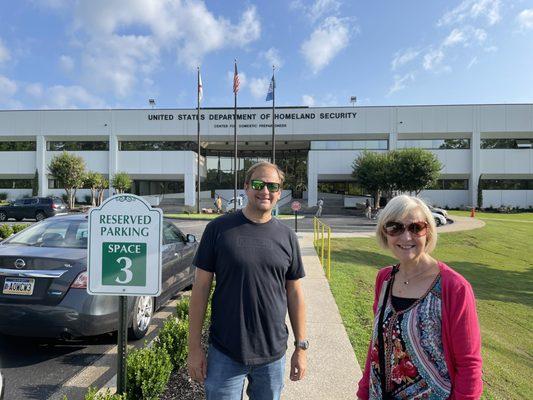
(353,100)
(151,102)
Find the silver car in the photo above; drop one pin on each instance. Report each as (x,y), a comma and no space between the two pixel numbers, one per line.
(43,276)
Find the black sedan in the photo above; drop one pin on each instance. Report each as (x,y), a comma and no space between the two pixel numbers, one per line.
(43,276)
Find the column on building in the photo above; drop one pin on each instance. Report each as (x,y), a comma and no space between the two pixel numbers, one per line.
(113,159)
(312,179)
(475,148)
(40,164)
(393,132)
(190,179)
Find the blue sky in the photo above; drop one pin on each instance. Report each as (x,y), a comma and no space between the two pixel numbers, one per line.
(120,53)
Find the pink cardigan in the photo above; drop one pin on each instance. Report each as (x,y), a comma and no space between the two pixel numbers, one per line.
(460,335)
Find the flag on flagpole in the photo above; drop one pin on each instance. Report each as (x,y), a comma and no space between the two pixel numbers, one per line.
(236,81)
(270,93)
(200,87)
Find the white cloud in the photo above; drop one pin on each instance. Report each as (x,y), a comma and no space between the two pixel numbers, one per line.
(491,49)
(4,53)
(122,40)
(456,36)
(400,82)
(35,90)
(326,42)
(472,63)
(433,59)
(465,36)
(70,97)
(308,100)
(8,89)
(66,63)
(259,87)
(402,58)
(525,19)
(317,10)
(273,58)
(473,9)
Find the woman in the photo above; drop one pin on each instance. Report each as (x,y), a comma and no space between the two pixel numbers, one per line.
(426,342)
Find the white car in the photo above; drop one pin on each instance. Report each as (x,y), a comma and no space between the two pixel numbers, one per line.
(439,218)
(240,204)
(440,211)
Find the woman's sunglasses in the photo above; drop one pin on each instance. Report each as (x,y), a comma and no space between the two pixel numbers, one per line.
(259,185)
(397,228)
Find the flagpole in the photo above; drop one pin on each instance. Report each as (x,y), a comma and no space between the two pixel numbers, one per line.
(199,147)
(235,140)
(273,117)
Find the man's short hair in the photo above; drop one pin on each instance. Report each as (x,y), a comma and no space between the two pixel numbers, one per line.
(263,164)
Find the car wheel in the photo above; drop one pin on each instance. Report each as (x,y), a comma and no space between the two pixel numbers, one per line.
(39,215)
(3,216)
(143,310)
(437,222)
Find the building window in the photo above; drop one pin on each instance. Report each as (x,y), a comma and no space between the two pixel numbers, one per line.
(450,184)
(15,183)
(506,143)
(350,145)
(77,146)
(17,146)
(345,188)
(506,184)
(157,146)
(436,144)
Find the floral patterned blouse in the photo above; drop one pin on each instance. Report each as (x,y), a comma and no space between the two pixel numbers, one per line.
(415,367)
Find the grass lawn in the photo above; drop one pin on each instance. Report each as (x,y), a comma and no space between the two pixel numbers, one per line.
(495,259)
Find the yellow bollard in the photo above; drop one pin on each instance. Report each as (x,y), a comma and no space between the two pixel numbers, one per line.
(322,249)
(329,254)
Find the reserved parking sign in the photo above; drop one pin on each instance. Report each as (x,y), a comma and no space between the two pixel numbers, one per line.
(124,252)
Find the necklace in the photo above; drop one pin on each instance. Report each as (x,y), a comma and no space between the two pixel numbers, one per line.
(406,281)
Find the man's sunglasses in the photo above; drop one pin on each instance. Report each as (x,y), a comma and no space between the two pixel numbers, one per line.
(397,228)
(271,186)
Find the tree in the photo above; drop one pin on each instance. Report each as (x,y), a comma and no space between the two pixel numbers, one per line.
(69,171)
(35,184)
(93,180)
(121,182)
(104,184)
(371,171)
(414,170)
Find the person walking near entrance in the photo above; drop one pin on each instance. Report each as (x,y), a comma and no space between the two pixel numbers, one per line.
(320,203)
(218,204)
(368,209)
(258,267)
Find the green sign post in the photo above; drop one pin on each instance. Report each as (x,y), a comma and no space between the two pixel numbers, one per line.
(124,258)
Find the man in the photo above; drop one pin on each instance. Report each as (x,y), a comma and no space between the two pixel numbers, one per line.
(320,203)
(258,268)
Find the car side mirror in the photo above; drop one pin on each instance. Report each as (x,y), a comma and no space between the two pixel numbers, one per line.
(191,238)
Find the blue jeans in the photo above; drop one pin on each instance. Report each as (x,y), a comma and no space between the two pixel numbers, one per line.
(225,378)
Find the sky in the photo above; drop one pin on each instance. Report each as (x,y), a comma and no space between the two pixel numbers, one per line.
(57,54)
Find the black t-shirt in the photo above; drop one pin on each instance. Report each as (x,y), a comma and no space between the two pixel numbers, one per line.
(251,263)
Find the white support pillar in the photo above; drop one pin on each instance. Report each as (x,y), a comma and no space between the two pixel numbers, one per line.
(312,179)
(113,159)
(190,189)
(393,132)
(40,164)
(475,148)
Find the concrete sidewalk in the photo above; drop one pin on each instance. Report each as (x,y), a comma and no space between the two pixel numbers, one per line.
(332,368)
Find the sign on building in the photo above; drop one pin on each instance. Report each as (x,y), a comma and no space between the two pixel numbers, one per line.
(124,253)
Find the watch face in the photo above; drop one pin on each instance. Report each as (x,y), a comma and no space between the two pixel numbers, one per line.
(304,344)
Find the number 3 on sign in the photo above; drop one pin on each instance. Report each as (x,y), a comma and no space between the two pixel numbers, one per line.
(126,269)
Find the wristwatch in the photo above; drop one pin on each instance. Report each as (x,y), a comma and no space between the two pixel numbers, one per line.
(302,344)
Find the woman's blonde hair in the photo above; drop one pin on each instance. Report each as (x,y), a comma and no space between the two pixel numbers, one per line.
(397,209)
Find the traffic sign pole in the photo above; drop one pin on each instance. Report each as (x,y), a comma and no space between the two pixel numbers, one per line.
(296,206)
(296,221)
(122,345)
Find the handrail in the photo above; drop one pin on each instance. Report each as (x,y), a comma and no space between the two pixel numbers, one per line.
(319,239)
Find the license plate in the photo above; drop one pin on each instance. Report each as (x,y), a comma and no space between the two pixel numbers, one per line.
(20,286)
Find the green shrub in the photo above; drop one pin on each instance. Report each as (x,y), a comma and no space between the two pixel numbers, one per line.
(3,196)
(182,308)
(148,372)
(93,394)
(18,227)
(5,231)
(173,338)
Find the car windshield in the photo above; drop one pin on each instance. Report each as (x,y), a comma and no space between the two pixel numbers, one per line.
(54,233)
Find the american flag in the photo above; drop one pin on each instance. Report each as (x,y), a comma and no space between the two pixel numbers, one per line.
(236,81)
(200,87)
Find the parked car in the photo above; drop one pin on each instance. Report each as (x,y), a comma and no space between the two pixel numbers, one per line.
(43,276)
(240,203)
(439,218)
(438,210)
(37,208)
